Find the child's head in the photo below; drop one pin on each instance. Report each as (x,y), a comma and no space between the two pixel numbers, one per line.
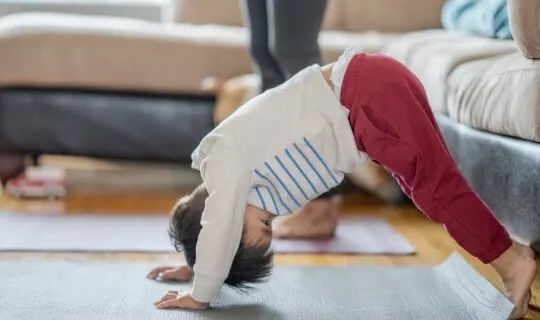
(253,260)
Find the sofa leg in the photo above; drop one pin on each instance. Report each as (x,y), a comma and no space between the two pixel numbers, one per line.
(11,165)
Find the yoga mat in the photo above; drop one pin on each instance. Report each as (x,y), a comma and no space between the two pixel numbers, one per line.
(37,290)
(106,233)
(358,235)
(84,233)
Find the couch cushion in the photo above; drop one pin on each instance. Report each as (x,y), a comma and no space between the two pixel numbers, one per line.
(499,95)
(224,12)
(392,15)
(229,12)
(349,15)
(56,50)
(433,54)
(525,26)
(333,43)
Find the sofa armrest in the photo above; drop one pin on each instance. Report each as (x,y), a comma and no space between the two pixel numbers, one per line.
(59,50)
(525,25)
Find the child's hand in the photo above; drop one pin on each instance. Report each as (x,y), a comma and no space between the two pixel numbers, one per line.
(182,273)
(181,300)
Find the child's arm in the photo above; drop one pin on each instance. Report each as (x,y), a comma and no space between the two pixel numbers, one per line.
(227,180)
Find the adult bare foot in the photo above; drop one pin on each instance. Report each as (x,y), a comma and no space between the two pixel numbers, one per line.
(317,219)
(517,268)
(11,165)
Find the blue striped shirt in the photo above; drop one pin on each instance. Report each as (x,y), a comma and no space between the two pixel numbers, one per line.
(293,177)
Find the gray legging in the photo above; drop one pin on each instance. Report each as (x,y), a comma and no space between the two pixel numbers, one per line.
(284,37)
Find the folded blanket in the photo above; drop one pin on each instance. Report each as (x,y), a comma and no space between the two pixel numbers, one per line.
(486,18)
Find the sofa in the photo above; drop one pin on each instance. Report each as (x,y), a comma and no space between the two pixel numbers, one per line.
(124,88)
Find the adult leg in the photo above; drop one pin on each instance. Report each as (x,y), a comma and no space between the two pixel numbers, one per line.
(256,18)
(294,27)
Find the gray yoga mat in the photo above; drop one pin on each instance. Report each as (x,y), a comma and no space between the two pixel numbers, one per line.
(107,233)
(36,290)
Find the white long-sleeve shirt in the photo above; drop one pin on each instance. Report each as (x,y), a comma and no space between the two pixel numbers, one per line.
(279,151)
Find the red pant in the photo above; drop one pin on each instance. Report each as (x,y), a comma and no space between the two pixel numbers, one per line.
(393,123)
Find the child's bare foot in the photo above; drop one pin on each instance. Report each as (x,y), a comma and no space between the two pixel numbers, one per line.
(318,219)
(517,268)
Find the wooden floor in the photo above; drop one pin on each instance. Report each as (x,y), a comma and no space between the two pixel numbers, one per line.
(431,241)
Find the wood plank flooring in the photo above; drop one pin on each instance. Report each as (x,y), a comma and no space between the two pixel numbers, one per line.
(431,240)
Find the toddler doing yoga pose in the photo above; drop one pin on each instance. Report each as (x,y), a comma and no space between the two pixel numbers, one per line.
(293,143)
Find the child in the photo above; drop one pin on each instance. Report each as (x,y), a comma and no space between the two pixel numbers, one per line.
(293,143)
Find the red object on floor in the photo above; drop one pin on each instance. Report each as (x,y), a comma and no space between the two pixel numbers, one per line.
(25,186)
(393,123)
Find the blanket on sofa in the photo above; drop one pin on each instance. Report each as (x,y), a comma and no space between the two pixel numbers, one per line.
(486,18)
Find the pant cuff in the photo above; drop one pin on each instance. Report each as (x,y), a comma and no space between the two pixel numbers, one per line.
(499,246)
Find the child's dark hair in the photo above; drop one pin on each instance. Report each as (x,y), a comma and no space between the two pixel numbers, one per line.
(251,264)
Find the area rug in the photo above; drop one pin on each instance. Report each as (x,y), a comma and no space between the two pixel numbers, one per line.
(123,233)
(354,235)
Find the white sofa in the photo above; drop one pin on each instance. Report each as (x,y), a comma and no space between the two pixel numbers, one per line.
(175,55)
(110,53)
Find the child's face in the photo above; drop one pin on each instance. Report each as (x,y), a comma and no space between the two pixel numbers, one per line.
(257,226)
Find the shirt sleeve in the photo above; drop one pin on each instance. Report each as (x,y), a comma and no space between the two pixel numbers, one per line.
(227,180)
